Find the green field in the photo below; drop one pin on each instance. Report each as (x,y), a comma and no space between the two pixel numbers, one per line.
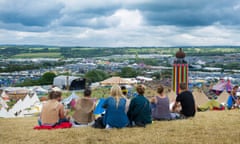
(85,52)
(38,55)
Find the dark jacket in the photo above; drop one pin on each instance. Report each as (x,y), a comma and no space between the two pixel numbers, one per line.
(139,110)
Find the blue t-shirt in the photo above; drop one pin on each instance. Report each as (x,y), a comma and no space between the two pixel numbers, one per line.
(115,116)
(231,101)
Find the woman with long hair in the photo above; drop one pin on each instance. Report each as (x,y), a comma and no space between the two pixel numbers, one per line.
(115,105)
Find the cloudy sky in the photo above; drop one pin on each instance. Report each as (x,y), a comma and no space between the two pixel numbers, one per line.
(114,23)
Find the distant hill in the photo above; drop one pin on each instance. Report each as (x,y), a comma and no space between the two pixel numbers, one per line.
(44,51)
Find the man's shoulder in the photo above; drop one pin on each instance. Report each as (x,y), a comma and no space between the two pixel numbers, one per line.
(187,92)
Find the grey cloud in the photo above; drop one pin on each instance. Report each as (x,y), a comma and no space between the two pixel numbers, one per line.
(91,17)
(190,13)
(29,13)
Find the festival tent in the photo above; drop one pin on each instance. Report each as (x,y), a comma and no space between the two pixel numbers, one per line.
(33,106)
(115,80)
(17,107)
(33,110)
(3,103)
(74,83)
(5,114)
(23,107)
(34,99)
(5,96)
(16,93)
(221,86)
(199,97)
(143,79)
(26,102)
(222,98)
(39,90)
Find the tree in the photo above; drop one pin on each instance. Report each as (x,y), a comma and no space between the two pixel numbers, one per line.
(127,72)
(156,75)
(47,78)
(96,75)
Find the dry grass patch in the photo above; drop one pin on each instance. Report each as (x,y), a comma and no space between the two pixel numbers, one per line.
(207,127)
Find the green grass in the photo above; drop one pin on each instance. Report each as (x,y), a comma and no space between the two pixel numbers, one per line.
(38,55)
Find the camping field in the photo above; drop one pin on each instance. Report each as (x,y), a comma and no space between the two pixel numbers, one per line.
(218,127)
(38,55)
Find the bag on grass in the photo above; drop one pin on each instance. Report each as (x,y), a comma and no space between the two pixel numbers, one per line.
(99,123)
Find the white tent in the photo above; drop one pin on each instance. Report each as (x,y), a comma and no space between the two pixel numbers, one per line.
(5,96)
(5,114)
(34,99)
(39,90)
(27,106)
(223,97)
(26,102)
(21,105)
(74,83)
(16,107)
(33,110)
(3,103)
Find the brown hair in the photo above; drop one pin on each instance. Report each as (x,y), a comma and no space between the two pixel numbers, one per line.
(183,86)
(87,92)
(54,94)
(160,89)
(235,87)
(141,89)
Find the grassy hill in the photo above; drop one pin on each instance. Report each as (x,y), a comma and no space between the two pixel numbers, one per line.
(38,55)
(31,51)
(218,127)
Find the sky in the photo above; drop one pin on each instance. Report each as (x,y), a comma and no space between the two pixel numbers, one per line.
(120,23)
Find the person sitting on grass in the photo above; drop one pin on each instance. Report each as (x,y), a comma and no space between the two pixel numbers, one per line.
(186,100)
(139,112)
(84,107)
(212,104)
(160,106)
(53,113)
(115,105)
(232,101)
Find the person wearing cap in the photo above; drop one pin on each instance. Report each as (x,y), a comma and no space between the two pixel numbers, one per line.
(84,107)
(125,92)
(53,111)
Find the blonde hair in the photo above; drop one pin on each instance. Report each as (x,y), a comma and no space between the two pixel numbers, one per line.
(116,92)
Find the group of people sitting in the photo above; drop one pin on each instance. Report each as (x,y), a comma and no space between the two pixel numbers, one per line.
(119,110)
(232,102)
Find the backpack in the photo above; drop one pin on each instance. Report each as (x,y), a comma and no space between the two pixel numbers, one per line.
(99,123)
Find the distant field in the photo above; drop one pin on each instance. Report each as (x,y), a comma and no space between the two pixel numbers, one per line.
(38,55)
(212,127)
(85,52)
